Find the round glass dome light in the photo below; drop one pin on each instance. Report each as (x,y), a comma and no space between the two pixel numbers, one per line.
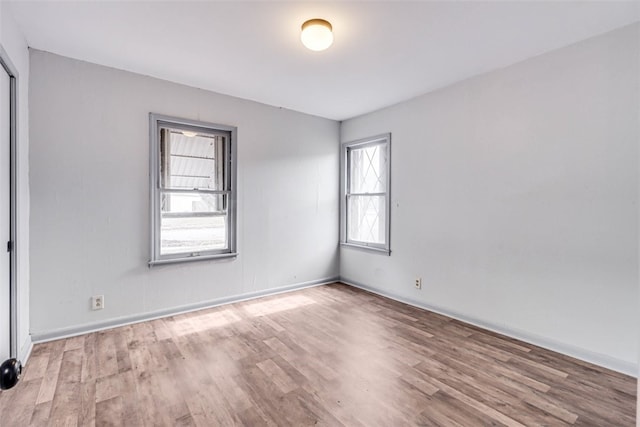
(317,34)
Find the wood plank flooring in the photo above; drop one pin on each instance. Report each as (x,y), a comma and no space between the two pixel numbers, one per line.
(330,355)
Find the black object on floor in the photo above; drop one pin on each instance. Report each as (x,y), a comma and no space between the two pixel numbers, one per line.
(10,371)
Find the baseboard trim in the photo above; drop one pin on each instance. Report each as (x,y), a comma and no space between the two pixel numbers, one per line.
(56,334)
(599,359)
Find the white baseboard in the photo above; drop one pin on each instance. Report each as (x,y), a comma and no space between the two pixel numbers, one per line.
(56,334)
(599,359)
(550,344)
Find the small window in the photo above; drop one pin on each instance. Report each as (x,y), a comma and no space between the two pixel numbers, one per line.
(365,201)
(193,190)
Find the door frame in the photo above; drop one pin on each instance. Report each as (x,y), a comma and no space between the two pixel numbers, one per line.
(11,70)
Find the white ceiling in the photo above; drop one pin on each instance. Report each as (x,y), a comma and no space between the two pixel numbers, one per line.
(384,52)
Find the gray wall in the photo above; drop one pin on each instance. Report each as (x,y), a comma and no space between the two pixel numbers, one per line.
(515,198)
(90,208)
(15,45)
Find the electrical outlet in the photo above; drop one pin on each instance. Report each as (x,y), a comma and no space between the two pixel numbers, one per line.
(97,302)
(418,283)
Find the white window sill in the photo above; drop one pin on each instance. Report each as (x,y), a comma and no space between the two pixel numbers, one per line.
(366,248)
(192,259)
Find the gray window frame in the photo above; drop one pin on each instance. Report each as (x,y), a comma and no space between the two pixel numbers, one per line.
(385,248)
(158,121)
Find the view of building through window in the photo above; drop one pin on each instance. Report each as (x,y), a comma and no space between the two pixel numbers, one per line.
(192,220)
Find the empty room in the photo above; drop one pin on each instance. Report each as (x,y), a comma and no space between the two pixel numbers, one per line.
(319,213)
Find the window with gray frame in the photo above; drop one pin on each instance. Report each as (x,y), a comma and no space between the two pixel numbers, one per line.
(365,203)
(193,190)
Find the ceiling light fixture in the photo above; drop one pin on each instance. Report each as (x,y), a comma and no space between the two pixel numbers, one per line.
(317,34)
(189,134)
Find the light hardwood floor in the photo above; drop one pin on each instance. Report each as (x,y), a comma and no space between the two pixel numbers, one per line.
(330,355)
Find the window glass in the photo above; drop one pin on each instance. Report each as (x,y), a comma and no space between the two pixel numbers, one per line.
(192,162)
(366,219)
(368,169)
(192,223)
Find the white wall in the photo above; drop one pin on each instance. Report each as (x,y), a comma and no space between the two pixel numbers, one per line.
(515,198)
(15,45)
(90,197)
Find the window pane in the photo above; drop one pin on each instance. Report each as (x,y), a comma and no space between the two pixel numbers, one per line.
(189,235)
(193,222)
(192,204)
(366,219)
(192,160)
(368,169)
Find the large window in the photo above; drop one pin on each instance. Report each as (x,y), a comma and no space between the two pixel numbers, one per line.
(365,198)
(193,190)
